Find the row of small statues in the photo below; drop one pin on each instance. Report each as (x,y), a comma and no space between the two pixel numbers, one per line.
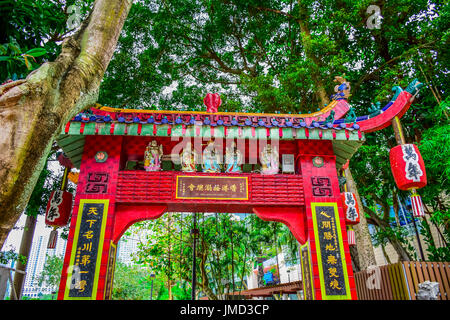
(211,158)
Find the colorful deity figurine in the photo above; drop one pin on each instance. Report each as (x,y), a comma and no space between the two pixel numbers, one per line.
(342,90)
(233,159)
(188,158)
(152,156)
(269,158)
(211,158)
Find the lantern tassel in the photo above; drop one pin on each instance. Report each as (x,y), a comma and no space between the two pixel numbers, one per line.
(351,238)
(53,238)
(416,204)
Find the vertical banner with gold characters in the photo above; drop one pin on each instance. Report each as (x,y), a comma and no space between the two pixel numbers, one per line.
(333,275)
(110,271)
(307,279)
(86,254)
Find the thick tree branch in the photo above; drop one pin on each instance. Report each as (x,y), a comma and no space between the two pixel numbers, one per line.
(33,111)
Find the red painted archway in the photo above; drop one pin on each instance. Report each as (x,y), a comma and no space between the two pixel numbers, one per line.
(116,198)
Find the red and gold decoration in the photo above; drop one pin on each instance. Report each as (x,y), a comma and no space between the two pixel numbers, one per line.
(351,208)
(58,208)
(408,168)
(212,102)
(352,217)
(417,205)
(351,238)
(108,145)
(59,205)
(73,176)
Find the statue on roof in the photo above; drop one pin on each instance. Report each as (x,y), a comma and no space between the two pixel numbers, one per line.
(211,158)
(233,159)
(269,158)
(342,90)
(152,156)
(188,158)
(414,87)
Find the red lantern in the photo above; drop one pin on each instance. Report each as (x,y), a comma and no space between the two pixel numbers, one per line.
(407,167)
(58,208)
(212,102)
(351,208)
(351,238)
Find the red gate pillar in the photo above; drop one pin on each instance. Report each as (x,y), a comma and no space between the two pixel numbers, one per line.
(91,228)
(327,247)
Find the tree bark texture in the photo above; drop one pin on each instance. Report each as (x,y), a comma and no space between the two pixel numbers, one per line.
(33,111)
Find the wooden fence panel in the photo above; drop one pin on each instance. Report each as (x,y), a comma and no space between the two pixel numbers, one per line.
(401,281)
(387,284)
(409,280)
(419,272)
(415,278)
(437,277)
(445,279)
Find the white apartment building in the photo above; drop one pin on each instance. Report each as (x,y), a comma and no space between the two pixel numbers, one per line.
(36,262)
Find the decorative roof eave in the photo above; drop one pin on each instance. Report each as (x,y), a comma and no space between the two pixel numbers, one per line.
(71,140)
(339,106)
(385,116)
(347,132)
(397,107)
(329,117)
(326,124)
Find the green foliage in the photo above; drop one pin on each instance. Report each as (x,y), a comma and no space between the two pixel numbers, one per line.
(435,252)
(32,32)
(7,256)
(435,150)
(51,274)
(260,57)
(263,56)
(181,291)
(132,282)
(225,247)
(15,59)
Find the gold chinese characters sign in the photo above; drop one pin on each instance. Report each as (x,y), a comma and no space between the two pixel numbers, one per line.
(307,279)
(85,259)
(212,187)
(110,271)
(330,251)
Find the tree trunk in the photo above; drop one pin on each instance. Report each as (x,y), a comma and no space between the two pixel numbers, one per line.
(386,256)
(25,247)
(320,90)
(243,268)
(33,111)
(366,255)
(355,258)
(204,275)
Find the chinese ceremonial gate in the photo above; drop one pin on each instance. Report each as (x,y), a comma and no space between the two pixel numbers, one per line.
(114,191)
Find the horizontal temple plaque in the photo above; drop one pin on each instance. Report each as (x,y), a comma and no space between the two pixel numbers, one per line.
(212,187)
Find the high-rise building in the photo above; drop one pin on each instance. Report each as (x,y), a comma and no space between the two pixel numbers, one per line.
(125,248)
(35,264)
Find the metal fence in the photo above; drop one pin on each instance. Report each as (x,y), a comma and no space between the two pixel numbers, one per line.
(400,281)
